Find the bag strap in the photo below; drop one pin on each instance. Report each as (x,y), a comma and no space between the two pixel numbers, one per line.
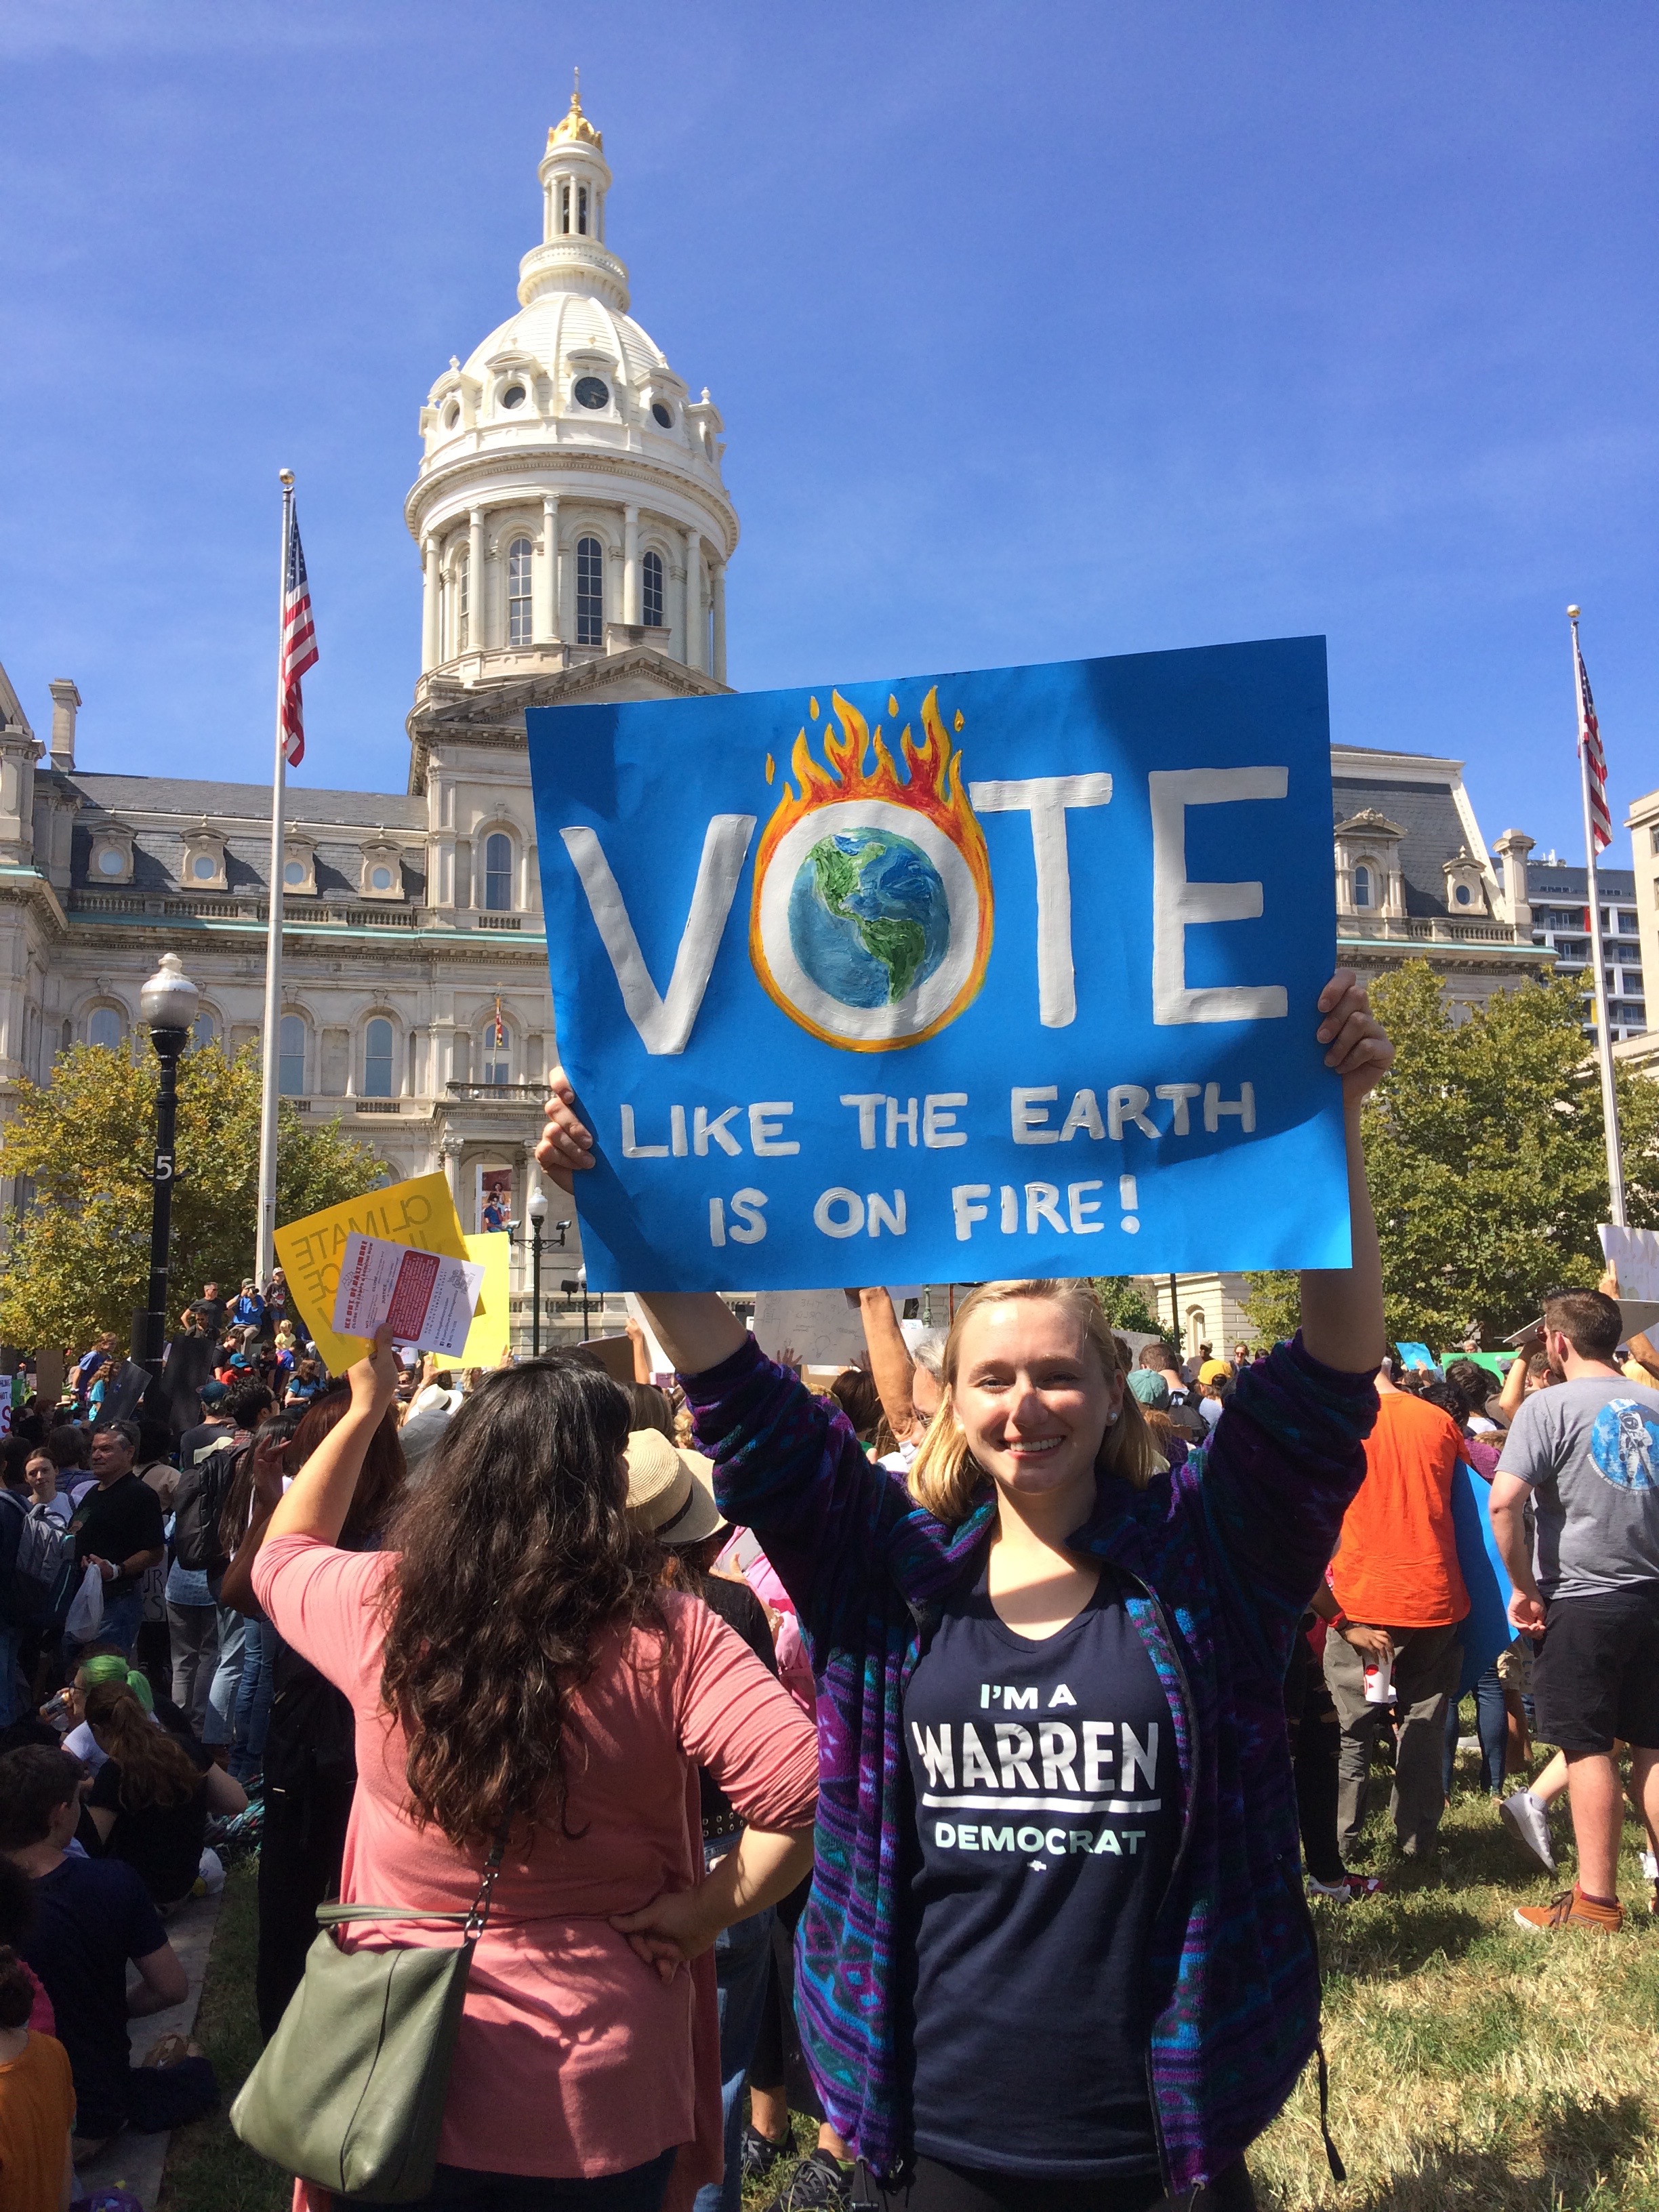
(472,1922)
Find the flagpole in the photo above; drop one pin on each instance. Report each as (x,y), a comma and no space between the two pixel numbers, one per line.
(264,1258)
(1593,906)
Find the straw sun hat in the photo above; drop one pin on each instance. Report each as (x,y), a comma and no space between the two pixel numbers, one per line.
(671,1493)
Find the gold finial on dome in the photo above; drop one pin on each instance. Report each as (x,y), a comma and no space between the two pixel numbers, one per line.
(575,124)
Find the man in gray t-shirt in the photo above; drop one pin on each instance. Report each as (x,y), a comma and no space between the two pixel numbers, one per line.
(1585,1452)
(1588,1451)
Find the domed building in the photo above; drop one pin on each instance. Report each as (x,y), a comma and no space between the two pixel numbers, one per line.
(573,531)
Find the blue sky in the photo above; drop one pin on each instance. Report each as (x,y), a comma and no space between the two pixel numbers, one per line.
(1039,331)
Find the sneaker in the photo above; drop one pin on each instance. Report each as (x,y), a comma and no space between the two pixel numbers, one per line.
(1528,1822)
(757,2154)
(818,2180)
(1572,1909)
(1351,1886)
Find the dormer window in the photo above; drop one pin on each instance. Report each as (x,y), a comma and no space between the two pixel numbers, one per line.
(205,860)
(299,867)
(383,873)
(1362,886)
(453,415)
(513,396)
(1463,895)
(660,415)
(110,861)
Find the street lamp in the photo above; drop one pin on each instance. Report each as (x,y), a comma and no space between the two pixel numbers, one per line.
(167,1005)
(536,1209)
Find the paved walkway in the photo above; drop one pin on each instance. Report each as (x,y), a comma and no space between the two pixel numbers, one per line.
(135,2161)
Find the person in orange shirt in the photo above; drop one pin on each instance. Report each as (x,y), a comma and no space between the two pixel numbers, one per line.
(37,2102)
(1400,1594)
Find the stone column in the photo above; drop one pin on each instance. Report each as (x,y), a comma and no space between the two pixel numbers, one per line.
(449,1146)
(718,671)
(630,593)
(475,582)
(694,625)
(430,649)
(545,613)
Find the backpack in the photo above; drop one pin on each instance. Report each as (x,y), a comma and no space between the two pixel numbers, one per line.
(198,1503)
(45,1550)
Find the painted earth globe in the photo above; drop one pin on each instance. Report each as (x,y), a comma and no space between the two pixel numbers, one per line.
(868,916)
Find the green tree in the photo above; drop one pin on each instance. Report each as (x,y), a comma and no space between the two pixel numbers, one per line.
(1124,1304)
(1486,1158)
(77,1250)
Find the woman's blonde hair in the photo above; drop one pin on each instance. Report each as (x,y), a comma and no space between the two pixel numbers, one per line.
(946,1478)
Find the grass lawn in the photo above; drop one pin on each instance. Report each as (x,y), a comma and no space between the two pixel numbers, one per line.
(207,2169)
(1473,2068)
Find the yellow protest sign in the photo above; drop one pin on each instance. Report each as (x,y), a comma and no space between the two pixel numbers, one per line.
(487,1339)
(419,1212)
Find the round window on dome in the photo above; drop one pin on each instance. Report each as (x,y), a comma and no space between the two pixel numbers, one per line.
(513,396)
(592,391)
(112,863)
(452,415)
(380,878)
(660,415)
(204,867)
(293,873)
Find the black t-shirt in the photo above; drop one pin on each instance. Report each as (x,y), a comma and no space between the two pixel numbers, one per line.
(113,1524)
(739,1608)
(91,1916)
(162,1842)
(1044,1830)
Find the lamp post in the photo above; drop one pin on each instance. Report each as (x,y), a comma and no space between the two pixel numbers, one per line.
(537,1210)
(167,1005)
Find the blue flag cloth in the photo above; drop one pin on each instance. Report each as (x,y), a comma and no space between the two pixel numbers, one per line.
(1486,1630)
(951,977)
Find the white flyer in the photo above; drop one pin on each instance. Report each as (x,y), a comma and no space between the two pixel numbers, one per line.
(429,1299)
(1635,1253)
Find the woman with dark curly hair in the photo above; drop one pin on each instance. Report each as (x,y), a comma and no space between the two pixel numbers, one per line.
(521,1684)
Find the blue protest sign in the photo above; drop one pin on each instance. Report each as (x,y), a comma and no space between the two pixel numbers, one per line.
(951,977)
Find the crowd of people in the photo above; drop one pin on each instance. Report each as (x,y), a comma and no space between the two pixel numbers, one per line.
(947,1755)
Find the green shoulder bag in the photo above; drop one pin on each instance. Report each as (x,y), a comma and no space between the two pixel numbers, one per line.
(349,2091)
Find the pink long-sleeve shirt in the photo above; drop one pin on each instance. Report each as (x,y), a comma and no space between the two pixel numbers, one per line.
(573,2057)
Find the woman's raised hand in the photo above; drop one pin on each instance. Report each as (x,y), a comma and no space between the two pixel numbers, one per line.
(566,1143)
(374,1378)
(1359,1046)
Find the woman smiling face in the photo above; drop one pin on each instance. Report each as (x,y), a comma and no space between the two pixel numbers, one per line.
(1032,1399)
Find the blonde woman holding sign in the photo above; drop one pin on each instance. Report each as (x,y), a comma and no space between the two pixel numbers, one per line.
(1057,1955)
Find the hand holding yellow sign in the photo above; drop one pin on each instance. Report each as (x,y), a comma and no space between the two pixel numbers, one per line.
(420,1213)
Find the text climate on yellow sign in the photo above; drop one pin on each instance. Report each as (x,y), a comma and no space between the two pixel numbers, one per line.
(420,1213)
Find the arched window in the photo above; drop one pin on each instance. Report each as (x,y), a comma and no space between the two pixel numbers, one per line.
(564,208)
(498,873)
(202,1030)
(581,210)
(377,1058)
(104,1026)
(496,1054)
(1362,886)
(651,590)
(590,591)
(518,593)
(463,603)
(291,1056)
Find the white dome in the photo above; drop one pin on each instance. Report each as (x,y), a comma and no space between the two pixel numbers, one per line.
(559,324)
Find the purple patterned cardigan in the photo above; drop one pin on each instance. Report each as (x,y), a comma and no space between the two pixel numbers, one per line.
(1226,1549)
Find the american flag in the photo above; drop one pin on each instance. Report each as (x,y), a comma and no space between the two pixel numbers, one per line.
(299,648)
(1589,752)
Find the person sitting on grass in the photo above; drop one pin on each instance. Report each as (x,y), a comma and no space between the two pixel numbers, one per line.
(37,2101)
(92,1917)
(152,1795)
